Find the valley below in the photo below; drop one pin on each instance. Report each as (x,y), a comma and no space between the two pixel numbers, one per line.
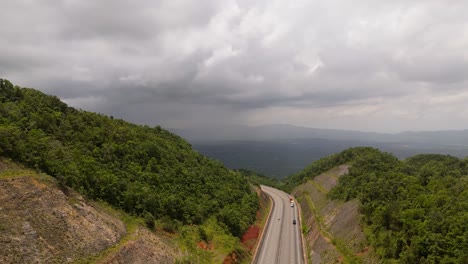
(282,157)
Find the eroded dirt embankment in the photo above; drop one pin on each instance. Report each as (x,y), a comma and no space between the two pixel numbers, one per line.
(251,237)
(334,233)
(40,224)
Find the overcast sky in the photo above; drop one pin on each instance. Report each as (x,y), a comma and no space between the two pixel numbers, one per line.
(370,65)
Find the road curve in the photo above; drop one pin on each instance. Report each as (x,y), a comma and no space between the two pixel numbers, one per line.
(281,243)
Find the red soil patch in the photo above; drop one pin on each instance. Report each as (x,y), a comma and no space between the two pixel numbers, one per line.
(363,252)
(250,236)
(204,245)
(251,233)
(231,259)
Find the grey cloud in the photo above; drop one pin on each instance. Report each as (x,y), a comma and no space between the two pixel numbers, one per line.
(433,68)
(130,20)
(183,63)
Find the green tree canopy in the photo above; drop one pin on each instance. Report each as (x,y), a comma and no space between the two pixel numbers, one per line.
(144,170)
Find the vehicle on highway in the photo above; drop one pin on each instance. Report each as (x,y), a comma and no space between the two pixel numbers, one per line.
(294,221)
(292,204)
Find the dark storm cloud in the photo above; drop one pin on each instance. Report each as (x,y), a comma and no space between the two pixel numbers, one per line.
(337,64)
(129,20)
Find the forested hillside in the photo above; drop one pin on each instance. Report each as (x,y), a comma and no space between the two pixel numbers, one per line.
(259,179)
(414,211)
(324,164)
(146,171)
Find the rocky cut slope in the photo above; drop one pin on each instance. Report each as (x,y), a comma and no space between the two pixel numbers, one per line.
(333,230)
(41,223)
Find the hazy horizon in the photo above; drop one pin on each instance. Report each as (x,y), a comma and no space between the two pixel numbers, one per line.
(319,128)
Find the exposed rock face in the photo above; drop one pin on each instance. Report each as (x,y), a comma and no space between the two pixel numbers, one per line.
(146,248)
(329,220)
(40,224)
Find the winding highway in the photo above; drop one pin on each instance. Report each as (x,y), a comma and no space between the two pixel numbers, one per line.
(281,242)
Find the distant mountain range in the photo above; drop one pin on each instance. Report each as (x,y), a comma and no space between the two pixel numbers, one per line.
(280,150)
(275,132)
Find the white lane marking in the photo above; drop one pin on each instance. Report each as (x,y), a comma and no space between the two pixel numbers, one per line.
(278,253)
(296,244)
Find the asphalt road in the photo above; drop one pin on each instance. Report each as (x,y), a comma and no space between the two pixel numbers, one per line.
(282,242)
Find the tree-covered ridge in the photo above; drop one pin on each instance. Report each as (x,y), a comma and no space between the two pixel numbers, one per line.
(259,179)
(325,164)
(414,211)
(143,170)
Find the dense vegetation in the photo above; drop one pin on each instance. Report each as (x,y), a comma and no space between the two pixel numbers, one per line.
(144,170)
(324,164)
(259,179)
(414,211)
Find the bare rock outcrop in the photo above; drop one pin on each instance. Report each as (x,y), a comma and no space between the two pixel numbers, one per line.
(39,223)
(146,248)
(334,229)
